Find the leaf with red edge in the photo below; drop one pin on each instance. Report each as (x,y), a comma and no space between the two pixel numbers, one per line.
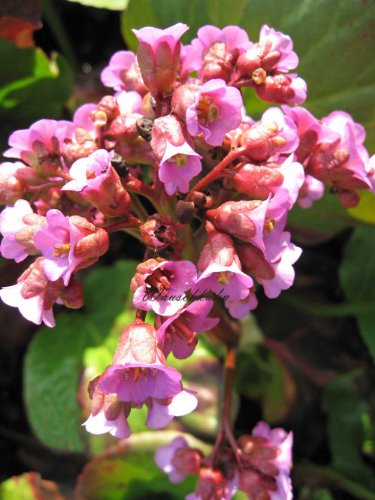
(29,486)
(18,21)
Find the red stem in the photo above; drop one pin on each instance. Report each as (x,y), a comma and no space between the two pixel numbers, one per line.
(215,172)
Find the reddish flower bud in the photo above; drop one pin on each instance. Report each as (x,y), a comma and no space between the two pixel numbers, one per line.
(254,263)
(257,181)
(123,128)
(72,295)
(183,97)
(281,89)
(138,344)
(160,231)
(242,219)
(218,250)
(92,246)
(12,185)
(211,485)
(109,106)
(187,460)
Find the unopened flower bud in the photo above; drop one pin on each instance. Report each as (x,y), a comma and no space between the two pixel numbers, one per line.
(211,485)
(12,186)
(184,211)
(257,181)
(242,219)
(159,231)
(109,106)
(138,344)
(254,263)
(187,460)
(93,244)
(72,295)
(282,89)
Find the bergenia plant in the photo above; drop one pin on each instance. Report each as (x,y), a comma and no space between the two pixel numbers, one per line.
(173,159)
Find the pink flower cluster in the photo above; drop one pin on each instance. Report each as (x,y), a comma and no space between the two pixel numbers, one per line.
(266,459)
(219,186)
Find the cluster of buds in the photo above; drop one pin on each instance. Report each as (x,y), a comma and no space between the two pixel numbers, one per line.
(219,186)
(261,467)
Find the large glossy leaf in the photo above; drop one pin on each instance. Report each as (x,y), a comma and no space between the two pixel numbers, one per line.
(32,86)
(347,414)
(358,278)
(54,360)
(335,40)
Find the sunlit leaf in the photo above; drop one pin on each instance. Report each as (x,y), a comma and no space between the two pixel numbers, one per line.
(29,486)
(345,409)
(104,4)
(358,277)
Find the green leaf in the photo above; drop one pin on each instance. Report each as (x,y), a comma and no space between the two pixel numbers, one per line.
(31,86)
(104,4)
(365,210)
(133,473)
(29,486)
(54,360)
(164,13)
(320,29)
(326,218)
(357,276)
(347,414)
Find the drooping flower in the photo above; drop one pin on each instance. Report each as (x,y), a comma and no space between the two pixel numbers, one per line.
(281,254)
(162,285)
(39,145)
(274,133)
(34,294)
(178,460)
(140,376)
(179,162)
(213,485)
(68,244)
(96,179)
(108,413)
(18,225)
(220,270)
(123,73)
(267,460)
(242,219)
(178,333)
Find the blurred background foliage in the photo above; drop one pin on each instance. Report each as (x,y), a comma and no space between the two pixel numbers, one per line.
(305,360)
